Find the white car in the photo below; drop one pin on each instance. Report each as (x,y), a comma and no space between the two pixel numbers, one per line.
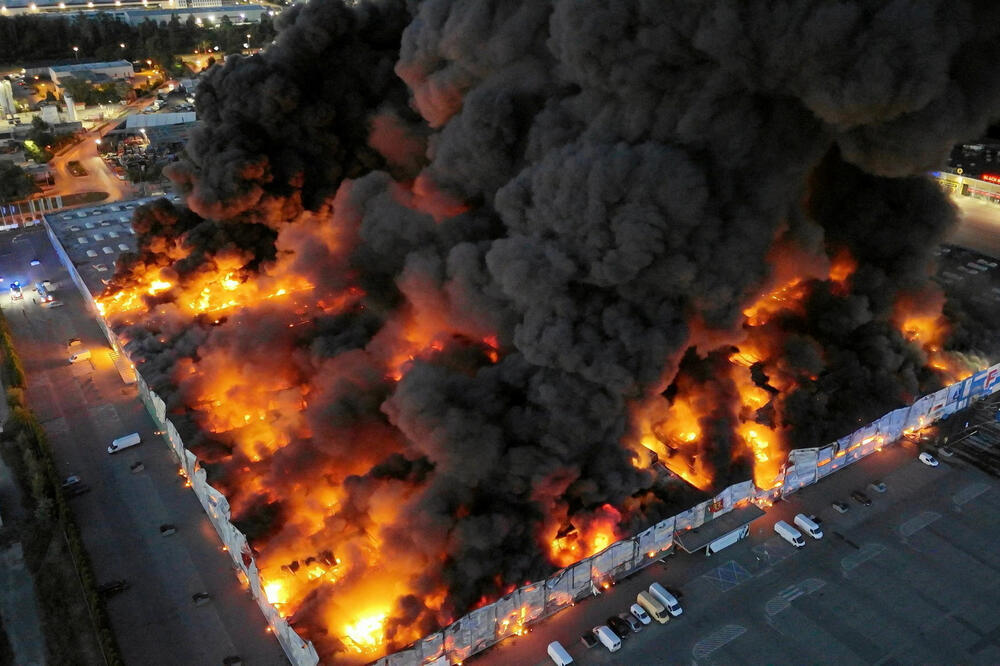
(639,613)
(928,459)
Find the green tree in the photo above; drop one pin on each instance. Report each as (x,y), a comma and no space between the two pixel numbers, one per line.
(41,133)
(15,184)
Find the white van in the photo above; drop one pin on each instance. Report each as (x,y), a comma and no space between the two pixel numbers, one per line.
(558,654)
(789,534)
(809,526)
(80,356)
(655,609)
(608,638)
(124,442)
(668,600)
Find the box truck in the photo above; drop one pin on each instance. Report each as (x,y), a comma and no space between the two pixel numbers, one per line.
(809,526)
(789,534)
(558,654)
(668,600)
(656,610)
(608,638)
(124,442)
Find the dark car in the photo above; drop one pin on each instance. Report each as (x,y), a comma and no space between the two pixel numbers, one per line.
(861,498)
(588,639)
(840,507)
(633,623)
(618,625)
(113,587)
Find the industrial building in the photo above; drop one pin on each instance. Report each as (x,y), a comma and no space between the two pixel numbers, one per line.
(91,71)
(92,237)
(6,98)
(202,11)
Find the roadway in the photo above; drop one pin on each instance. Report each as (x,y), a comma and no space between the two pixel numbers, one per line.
(83,407)
(910,579)
(979,226)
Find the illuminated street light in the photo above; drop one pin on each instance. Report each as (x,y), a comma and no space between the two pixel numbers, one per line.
(76,52)
(122,45)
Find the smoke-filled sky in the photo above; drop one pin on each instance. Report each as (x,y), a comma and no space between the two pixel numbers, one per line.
(451,266)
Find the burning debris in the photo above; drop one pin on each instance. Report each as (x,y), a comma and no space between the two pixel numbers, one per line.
(456,273)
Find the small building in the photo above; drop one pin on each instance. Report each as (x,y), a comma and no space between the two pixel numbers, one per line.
(70,108)
(7,98)
(162,129)
(49,113)
(94,71)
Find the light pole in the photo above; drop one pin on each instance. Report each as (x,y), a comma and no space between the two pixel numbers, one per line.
(76,52)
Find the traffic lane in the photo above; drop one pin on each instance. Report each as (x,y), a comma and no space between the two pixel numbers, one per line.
(83,407)
(679,571)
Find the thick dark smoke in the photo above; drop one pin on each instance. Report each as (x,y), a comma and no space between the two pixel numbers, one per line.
(601,186)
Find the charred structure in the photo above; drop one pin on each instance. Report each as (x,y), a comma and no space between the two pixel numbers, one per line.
(453,270)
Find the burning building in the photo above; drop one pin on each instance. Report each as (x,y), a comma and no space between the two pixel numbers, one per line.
(454,274)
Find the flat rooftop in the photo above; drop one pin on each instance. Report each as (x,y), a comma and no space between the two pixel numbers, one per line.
(85,66)
(699,537)
(95,236)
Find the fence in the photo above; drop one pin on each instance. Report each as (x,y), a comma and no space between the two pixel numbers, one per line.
(491,624)
(530,603)
(28,212)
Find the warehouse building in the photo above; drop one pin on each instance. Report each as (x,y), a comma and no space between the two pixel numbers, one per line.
(93,71)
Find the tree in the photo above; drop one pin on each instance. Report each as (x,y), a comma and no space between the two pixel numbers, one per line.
(15,183)
(41,133)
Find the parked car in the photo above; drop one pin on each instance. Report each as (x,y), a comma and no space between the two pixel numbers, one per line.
(588,639)
(15,292)
(640,613)
(877,486)
(840,507)
(928,459)
(619,626)
(946,452)
(632,621)
(861,498)
(70,481)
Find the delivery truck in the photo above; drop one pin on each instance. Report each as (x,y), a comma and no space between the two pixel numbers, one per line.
(789,534)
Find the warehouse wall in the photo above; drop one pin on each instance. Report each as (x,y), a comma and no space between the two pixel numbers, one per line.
(530,603)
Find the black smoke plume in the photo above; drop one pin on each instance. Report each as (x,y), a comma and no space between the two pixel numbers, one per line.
(583,192)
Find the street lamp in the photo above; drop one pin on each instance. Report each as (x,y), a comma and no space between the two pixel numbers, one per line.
(76,52)
(122,45)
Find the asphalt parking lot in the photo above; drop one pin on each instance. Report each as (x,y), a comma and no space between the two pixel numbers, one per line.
(83,406)
(910,579)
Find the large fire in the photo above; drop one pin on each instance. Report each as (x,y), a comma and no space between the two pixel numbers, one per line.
(344,576)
